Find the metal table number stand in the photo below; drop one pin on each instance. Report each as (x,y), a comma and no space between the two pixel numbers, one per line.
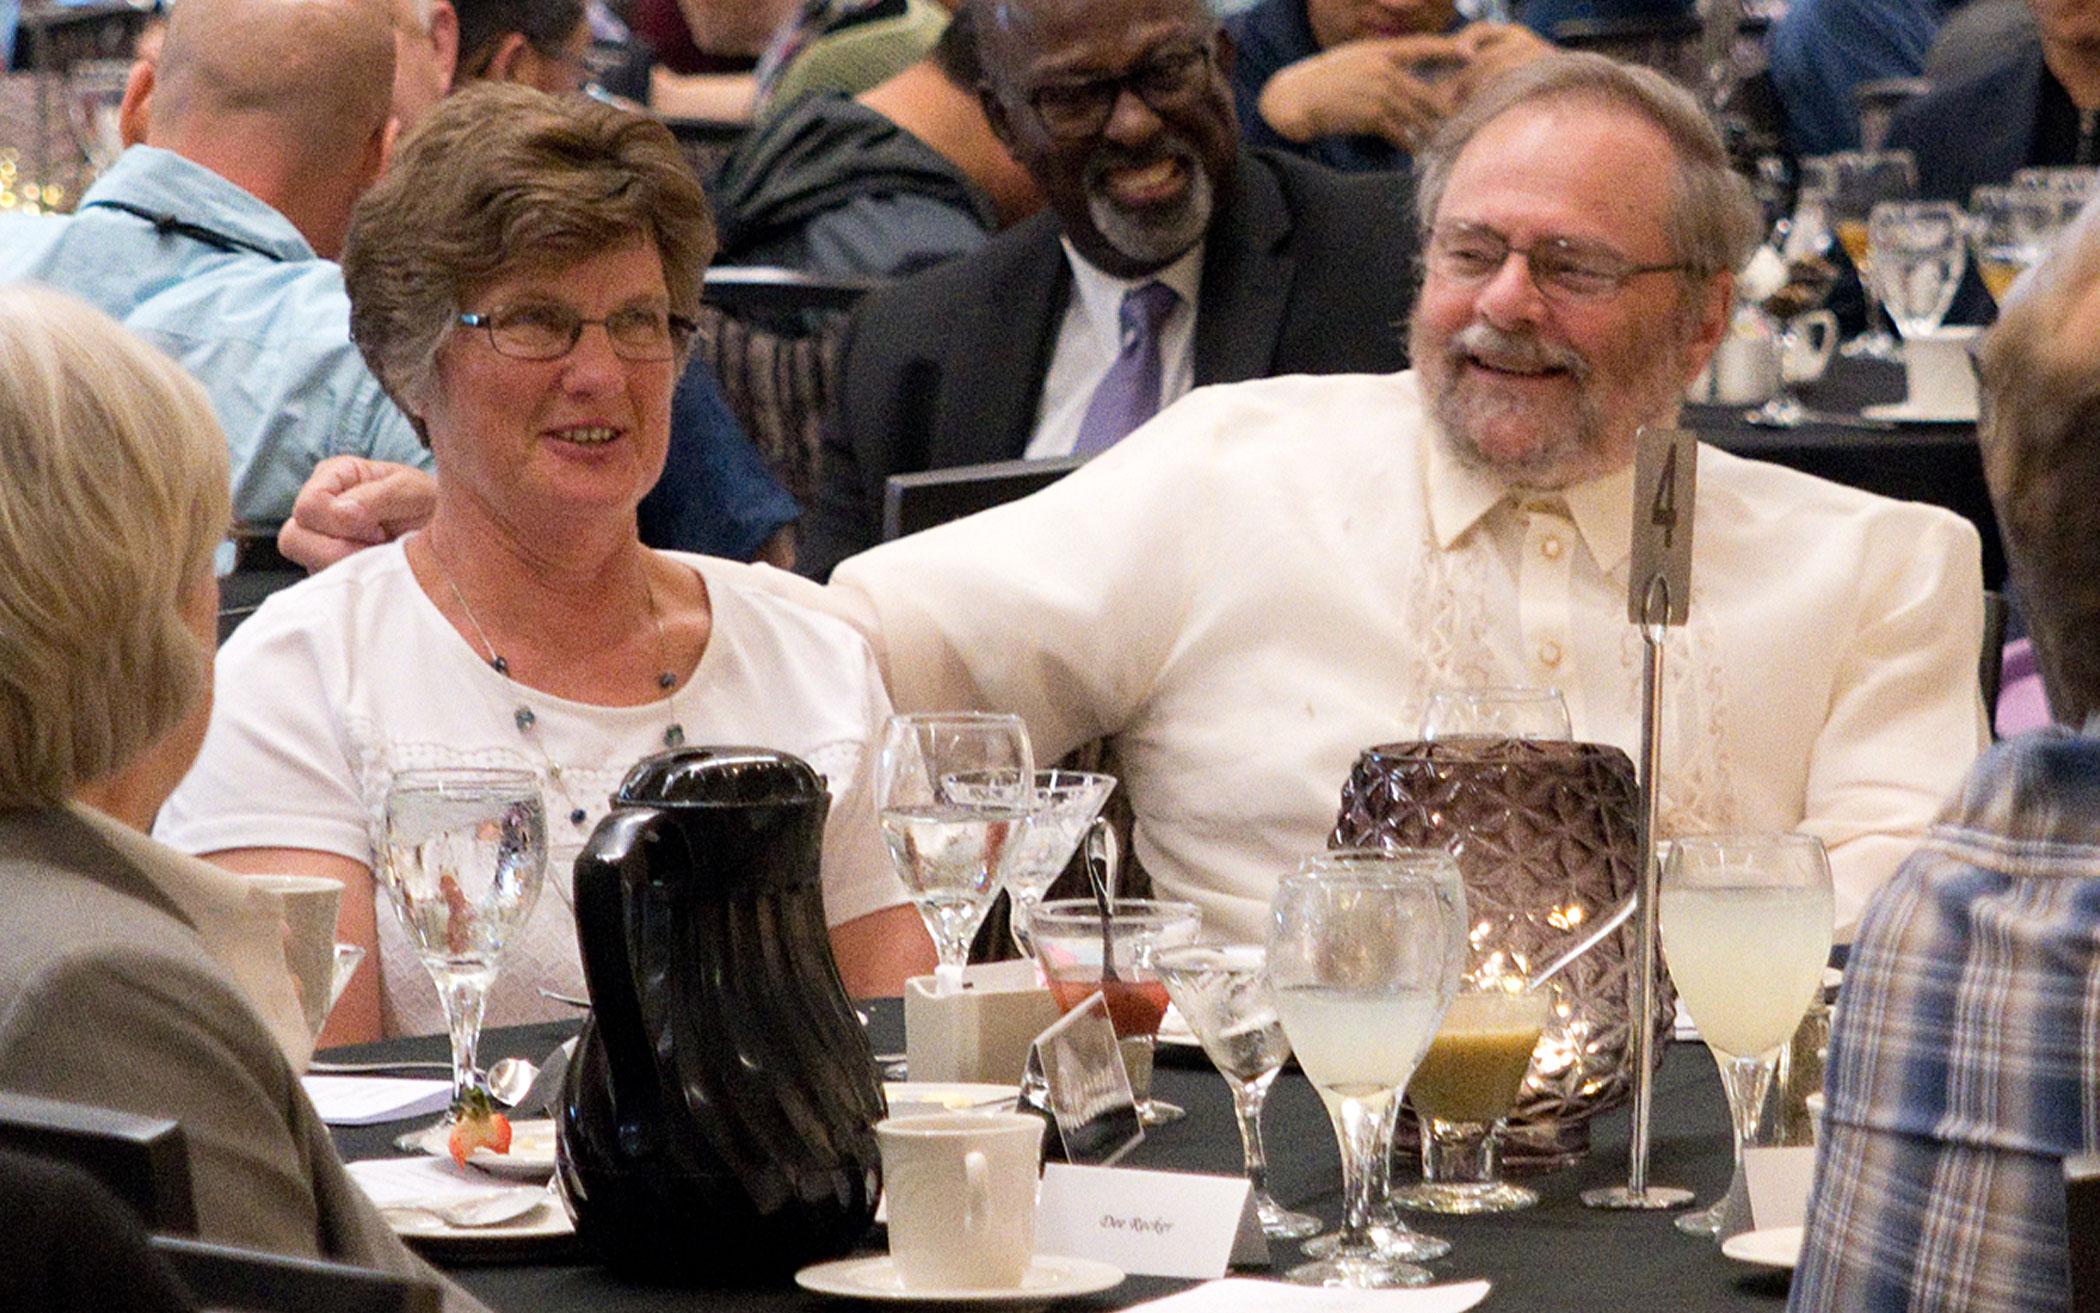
(1659,595)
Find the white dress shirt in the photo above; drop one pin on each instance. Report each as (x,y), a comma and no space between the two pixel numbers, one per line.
(1271,576)
(1091,336)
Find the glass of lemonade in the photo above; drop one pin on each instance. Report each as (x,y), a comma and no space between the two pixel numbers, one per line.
(954,791)
(1364,954)
(1746,929)
(1223,993)
(1466,1085)
(1860,180)
(1073,941)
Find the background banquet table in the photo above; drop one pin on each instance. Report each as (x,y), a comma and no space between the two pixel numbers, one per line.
(1558,1257)
(1936,463)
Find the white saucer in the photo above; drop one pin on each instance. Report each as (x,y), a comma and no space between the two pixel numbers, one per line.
(1904,412)
(917,1098)
(1048,1278)
(546,1222)
(531,1156)
(1778,1246)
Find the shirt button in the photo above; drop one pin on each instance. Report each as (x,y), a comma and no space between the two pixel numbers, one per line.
(1550,548)
(1549,653)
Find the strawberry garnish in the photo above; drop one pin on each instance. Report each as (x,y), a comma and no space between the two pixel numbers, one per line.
(477,1125)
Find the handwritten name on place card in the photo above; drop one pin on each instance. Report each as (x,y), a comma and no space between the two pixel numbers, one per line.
(1162,1224)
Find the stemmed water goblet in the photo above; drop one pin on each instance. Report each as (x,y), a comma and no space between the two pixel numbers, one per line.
(1083,951)
(1364,952)
(1746,930)
(1860,180)
(1223,993)
(954,791)
(1468,1082)
(2010,230)
(1496,713)
(1920,253)
(463,858)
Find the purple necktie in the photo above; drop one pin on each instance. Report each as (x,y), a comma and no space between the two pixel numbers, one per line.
(1129,392)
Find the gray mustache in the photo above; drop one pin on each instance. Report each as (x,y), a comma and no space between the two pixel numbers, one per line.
(1517,351)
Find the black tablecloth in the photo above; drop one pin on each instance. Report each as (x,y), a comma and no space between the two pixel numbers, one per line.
(1936,463)
(1559,1256)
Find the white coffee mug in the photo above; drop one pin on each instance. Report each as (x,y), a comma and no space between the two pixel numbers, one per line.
(1941,379)
(310,903)
(961,1192)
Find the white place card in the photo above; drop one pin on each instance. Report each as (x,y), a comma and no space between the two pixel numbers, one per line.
(1243,1296)
(1778,1180)
(1155,1224)
(368,1100)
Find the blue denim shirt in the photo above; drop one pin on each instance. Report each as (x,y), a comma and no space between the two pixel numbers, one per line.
(1965,1058)
(269,338)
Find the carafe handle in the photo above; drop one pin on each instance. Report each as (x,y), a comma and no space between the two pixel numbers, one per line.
(610,875)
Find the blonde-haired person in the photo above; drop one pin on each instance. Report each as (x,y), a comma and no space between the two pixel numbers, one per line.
(522,282)
(123,956)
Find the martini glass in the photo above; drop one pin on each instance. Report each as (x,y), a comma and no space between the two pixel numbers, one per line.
(954,791)
(1223,994)
(1083,953)
(1066,802)
(1746,929)
(1363,954)
(463,859)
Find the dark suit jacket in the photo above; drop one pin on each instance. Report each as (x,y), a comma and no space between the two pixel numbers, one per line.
(1305,271)
(1975,131)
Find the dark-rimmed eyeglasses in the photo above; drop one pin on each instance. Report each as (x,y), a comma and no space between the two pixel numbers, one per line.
(549,331)
(1562,268)
(1081,108)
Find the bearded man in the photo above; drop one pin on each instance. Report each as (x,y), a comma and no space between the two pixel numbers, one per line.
(1273,575)
(1168,257)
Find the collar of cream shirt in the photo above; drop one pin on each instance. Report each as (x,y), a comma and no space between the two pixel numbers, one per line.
(242,927)
(1457,496)
(1101,294)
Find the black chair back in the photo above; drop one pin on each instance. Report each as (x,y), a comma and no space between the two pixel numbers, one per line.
(2082,1222)
(143,1161)
(223,1277)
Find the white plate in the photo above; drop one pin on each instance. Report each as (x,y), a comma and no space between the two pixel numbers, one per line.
(1048,1278)
(1174,1029)
(1903,412)
(531,1156)
(1778,1246)
(915,1098)
(547,1222)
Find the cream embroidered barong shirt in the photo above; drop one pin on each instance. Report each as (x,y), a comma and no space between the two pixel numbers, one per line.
(1271,576)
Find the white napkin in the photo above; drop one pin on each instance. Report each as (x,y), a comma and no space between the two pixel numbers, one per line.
(424,1180)
(1239,1295)
(366,1100)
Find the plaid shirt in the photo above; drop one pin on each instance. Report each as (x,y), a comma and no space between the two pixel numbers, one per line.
(1965,1060)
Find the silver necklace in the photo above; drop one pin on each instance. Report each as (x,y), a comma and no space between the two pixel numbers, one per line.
(524,717)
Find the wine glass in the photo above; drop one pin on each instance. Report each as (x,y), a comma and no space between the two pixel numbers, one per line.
(1746,929)
(1920,253)
(1496,713)
(954,791)
(1363,955)
(1223,993)
(2010,230)
(1066,802)
(1082,952)
(1468,1082)
(1860,180)
(463,859)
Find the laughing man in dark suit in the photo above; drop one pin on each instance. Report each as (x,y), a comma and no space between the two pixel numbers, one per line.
(1122,112)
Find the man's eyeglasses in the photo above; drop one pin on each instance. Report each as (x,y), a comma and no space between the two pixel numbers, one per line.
(549,331)
(1082,108)
(1562,268)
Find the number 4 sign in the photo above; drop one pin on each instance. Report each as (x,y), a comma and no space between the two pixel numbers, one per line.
(1665,477)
